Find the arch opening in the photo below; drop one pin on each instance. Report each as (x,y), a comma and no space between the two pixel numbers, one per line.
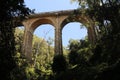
(75,31)
(39,22)
(84,20)
(43,45)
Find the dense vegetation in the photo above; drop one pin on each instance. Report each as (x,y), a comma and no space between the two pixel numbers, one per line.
(84,61)
(100,61)
(104,62)
(42,58)
(9,9)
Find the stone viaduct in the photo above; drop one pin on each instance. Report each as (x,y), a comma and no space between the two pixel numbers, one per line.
(57,19)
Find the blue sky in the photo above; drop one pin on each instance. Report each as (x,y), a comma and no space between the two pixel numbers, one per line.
(70,31)
(50,5)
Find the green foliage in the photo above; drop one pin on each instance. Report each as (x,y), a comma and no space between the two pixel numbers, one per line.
(85,61)
(9,10)
(43,53)
(80,52)
(59,64)
(18,39)
(99,61)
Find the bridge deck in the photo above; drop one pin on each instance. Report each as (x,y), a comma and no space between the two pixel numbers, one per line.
(53,13)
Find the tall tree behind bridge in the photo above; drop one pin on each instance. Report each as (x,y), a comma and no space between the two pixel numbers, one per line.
(107,15)
(9,9)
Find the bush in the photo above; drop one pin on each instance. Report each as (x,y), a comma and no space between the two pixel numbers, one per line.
(59,64)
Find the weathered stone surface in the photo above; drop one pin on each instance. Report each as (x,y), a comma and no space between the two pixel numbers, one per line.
(58,19)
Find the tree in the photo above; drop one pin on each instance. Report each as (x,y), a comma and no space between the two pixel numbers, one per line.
(41,67)
(106,52)
(18,39)
(104,58)
(59,64)
(80,52)
(49,42)
(9,10)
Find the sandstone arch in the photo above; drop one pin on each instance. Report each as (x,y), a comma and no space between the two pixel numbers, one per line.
(39,22)
(85,20)
(58,19)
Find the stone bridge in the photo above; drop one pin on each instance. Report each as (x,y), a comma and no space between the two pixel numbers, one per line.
(57,19)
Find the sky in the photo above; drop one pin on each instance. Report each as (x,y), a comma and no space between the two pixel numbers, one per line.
(70,31)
